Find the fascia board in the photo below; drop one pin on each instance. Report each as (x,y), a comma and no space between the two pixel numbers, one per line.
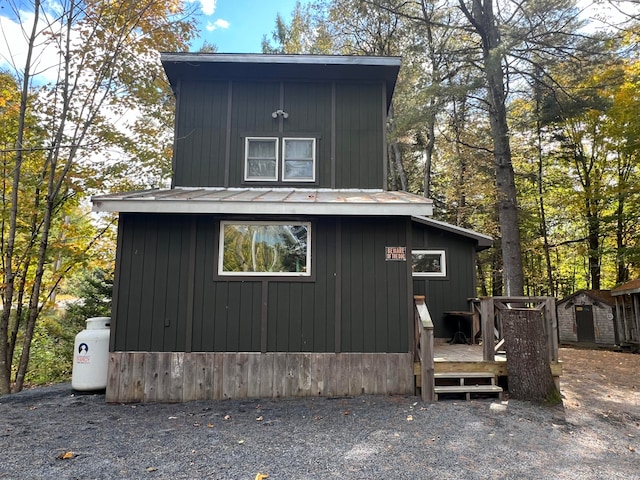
(263,208)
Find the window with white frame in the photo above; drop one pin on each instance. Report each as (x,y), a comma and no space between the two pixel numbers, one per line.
(261,159)
(266,157)
(265,248)
(428,263)
(299,159)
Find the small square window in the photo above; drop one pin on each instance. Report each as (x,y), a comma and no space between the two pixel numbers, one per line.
(261,159)
(428,263)
(299,159)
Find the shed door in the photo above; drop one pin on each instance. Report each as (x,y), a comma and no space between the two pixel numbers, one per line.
(584,321)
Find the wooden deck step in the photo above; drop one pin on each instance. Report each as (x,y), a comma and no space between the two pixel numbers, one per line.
(466,383)
(467,390)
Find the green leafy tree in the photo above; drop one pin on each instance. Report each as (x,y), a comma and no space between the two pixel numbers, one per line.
(108,105)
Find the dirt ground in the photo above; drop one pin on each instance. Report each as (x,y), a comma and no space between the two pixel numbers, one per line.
(600,383)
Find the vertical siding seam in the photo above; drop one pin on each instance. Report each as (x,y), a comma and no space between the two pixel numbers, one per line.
(264,316)
(338,287)
(191,286)
(281,107)
(176,114)
(384,136)
(333,134)
(227,148)
(409,243)
(116,287)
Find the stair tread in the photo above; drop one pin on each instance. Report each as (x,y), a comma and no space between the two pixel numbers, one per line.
(464,375)
(466,388)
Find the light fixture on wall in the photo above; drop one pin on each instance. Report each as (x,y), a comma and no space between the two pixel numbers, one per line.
(279,112)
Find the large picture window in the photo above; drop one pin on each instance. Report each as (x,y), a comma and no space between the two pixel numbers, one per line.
(265,248)
(261,162)
(266,158)
(429,263)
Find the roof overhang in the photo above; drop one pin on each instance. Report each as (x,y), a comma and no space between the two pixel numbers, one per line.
(229,66)
(484,241)
(627,288)
(266,201)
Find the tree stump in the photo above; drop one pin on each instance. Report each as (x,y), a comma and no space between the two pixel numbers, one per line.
(528,365)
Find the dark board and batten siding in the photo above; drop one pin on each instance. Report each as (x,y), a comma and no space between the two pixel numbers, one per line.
(171,299)
(214,118)
(448,293)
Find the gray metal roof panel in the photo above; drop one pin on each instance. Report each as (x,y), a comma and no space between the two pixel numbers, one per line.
(266,201)
(484,241)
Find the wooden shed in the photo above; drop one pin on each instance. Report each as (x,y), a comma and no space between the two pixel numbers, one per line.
(278,263)
(627,298)
(588,317)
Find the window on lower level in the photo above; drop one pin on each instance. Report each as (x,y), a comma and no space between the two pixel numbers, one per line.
(265,248)
(428,263)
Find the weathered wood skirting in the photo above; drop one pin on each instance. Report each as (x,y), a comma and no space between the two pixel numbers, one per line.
(181,377)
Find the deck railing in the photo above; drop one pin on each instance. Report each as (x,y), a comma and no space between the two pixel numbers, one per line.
(424,348)
(489,309)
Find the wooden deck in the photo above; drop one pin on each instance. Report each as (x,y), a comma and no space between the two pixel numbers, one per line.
(469,358)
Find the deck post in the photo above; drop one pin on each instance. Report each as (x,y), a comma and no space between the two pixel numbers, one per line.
(427,366)
(488,327)
(425,349)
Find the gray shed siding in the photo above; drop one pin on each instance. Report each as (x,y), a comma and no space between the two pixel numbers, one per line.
(171,299)
(448,293)
(603,320)
(214,118)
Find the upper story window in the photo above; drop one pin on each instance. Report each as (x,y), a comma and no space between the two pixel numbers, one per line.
(269,160)
(261,162)
(299,159)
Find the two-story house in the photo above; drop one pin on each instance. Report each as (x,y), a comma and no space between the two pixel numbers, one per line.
(278,264)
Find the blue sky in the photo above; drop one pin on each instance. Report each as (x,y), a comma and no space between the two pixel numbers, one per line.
(237,26)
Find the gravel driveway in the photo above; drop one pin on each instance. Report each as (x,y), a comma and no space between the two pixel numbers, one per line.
(370,437)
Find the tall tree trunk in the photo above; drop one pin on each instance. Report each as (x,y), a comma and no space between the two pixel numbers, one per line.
(482,19)
(593,240)
(529,366)
(397,156)
(543,216)
(622,269)
(10,274)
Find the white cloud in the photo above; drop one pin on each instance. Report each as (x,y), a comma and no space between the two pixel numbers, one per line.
(13,46)
(219,23)
(208,6)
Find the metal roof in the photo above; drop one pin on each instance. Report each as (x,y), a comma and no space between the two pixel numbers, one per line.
(484,241)
(603,296)
(266,201)
(225,66)
(627,288)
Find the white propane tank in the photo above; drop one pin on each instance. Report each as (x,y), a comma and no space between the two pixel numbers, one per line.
(91,355)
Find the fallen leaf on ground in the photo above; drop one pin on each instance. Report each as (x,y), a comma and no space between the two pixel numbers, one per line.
(151,469)
(260,418)
(66,455)
(210,425)
(261,476)
(409,418)
(240,442)
(227,417)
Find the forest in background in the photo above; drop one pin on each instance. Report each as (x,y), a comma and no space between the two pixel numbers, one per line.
(519,118)
(570,83)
